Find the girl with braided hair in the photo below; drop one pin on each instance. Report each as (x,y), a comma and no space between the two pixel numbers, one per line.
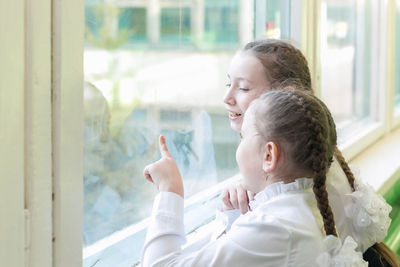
(288,139)
(266,64)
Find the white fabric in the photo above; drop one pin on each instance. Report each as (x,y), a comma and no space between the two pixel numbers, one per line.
(341,255)
(363,214)
(368,213)
(284,229)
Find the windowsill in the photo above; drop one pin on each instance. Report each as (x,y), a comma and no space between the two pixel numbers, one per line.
(379,164)
(357,143)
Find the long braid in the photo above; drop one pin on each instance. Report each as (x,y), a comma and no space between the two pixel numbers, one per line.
(320,159)
(379,252)
(343,164)
(345,168)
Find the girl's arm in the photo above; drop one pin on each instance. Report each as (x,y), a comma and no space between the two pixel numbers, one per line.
(250,243)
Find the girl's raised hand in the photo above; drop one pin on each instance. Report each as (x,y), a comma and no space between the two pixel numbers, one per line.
(164,173)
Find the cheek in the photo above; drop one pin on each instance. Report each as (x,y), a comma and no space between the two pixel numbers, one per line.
(240,155)
(245,100)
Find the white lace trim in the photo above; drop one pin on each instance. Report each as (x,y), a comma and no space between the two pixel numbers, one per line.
(279,188)
(337,254)
(369,214)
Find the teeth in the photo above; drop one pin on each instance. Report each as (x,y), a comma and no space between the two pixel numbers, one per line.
(234,114)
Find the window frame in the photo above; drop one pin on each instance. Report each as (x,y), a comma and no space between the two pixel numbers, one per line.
(12,135)
(393,5)
(67,128)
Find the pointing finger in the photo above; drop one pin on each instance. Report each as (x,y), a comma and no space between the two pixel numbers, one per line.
(163,147)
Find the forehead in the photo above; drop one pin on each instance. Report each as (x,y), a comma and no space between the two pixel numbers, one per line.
(247,66)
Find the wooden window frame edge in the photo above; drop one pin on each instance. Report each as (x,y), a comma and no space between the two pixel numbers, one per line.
(67,123)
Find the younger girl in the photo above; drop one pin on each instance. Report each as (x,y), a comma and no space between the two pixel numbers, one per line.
(288,143)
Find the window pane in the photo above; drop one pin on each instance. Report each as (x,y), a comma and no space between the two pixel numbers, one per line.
(397,59)
(133,21)
(175,24)
(272,19)
(221,21)
(346,54)
(147,76)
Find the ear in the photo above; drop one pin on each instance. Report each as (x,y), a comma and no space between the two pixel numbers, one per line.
(270,158)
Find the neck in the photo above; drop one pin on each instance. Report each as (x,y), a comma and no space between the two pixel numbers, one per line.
(287,177)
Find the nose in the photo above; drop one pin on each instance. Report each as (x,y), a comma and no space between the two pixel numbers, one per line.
(229,98)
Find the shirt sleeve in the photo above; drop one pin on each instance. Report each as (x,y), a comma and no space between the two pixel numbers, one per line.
(250,242)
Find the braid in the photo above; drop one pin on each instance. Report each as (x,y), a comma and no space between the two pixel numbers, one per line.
(320,163)
(343,164)
(345,168)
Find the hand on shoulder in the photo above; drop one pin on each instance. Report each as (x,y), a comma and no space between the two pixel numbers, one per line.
(236,197)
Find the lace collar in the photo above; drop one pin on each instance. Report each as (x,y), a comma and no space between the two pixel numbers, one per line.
(276,189)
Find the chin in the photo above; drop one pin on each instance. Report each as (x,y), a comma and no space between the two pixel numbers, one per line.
(236,126)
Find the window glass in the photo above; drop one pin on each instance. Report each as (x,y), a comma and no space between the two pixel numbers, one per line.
(133,20)
(272,19)
(175,24)
(147,75)
(346,54)
(397,59)
(221,22)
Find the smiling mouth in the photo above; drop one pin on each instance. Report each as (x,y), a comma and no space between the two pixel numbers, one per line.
(234,115)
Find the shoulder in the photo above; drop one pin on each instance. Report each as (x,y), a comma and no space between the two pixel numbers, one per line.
(289,215)
(257,232)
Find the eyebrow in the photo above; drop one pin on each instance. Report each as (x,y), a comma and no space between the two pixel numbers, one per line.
(240,78)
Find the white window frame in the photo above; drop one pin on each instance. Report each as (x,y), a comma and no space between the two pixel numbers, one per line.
(393,5)
(12,199)
(67,138)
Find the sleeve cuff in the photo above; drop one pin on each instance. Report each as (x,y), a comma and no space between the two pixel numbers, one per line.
(167,216)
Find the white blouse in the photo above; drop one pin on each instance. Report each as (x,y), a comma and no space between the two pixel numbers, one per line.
(283,229)
(362,215)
